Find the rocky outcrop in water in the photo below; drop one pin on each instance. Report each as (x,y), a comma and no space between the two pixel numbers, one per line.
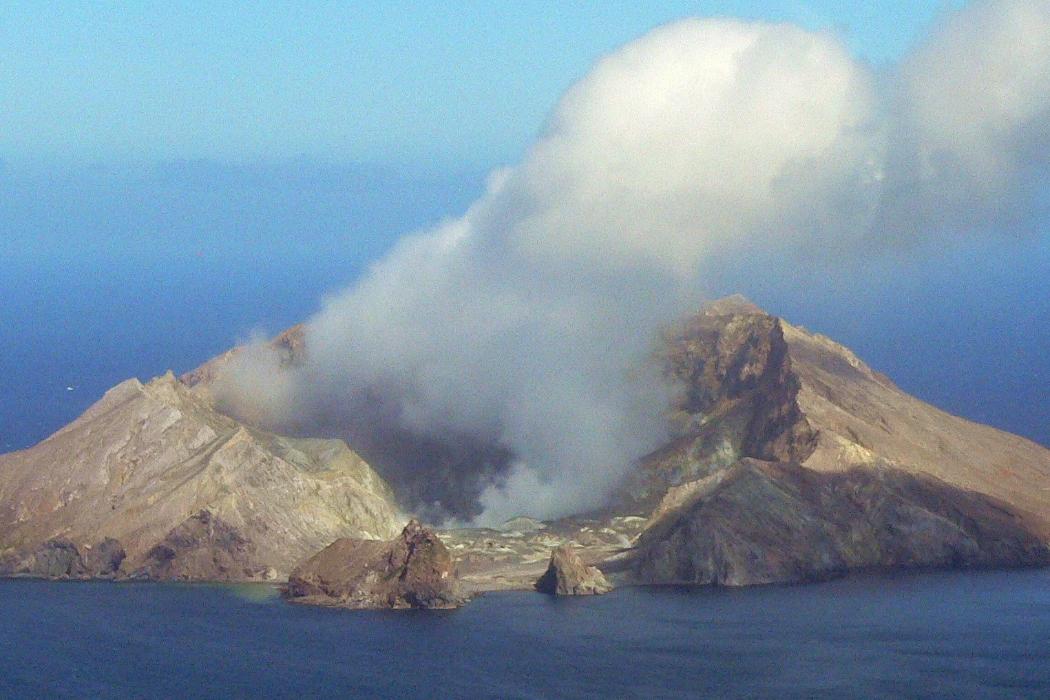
(568,575)
(414,570)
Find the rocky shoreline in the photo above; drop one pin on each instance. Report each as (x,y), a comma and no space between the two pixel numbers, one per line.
(424,568)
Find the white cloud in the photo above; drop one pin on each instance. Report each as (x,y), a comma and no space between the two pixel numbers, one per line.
(527,321)
(972,120)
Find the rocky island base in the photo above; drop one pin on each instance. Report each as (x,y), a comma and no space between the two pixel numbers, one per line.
(789,460)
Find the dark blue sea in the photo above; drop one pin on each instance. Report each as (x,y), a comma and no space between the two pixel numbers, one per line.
(958,635)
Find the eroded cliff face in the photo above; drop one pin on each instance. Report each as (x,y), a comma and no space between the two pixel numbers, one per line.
(733,368)
(737,397)
(792,460)
(797,462)
(146,459)
(60,558)
(414,570)
(773,522)
(204,548)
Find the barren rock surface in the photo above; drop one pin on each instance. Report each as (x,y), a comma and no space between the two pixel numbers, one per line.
(790,460)
(513,559)
(791,395)
(414,570)
(145,458)
(60,558)
(568,575)
(865,420)
(203,548)
(768,522)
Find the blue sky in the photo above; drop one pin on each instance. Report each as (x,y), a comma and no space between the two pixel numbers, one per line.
(420,85)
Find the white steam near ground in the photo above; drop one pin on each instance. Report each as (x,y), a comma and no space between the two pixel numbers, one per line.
(528,320)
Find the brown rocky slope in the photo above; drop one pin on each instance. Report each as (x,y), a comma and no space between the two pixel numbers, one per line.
(792,460)
(768,522)
(796,461)
(756,386)
(145,462)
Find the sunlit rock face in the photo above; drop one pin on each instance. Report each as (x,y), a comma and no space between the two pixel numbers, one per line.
(773,522)
(147,458)
(863,419)
(755,386)
(413,570)
(790,460)
(567,574)
(796,461)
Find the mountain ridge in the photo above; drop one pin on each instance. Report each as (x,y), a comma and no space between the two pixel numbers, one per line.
(773,425)
(147,458)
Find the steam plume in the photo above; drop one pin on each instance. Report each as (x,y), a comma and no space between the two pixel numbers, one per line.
(526,322)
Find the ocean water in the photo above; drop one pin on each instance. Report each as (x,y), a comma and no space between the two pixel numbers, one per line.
(951,635)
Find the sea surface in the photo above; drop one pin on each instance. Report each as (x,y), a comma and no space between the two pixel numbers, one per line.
(953,635)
